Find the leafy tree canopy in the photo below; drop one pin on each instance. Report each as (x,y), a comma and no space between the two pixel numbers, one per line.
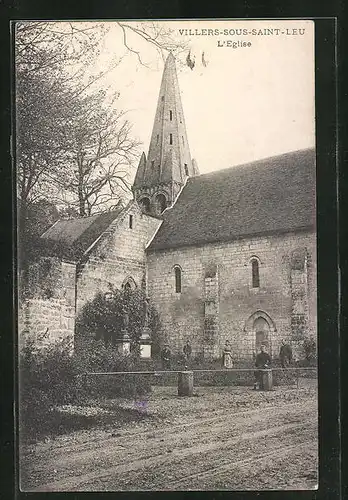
(108,315)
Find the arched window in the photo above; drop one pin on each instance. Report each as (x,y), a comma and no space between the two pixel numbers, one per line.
(161,203)
(145,204)
(255,274)
(177,272)
(129,284)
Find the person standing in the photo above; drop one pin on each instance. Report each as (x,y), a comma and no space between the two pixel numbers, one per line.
(263,361)
(166,357)
(227,361)
(285,354)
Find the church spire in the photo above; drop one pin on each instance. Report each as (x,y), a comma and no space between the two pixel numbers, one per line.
(163,172)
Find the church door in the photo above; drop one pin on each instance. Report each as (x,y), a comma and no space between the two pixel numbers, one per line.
(261,329)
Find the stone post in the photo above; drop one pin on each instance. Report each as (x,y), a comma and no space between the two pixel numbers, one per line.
(145,344)
(266,380)
(185,383)
(123,343)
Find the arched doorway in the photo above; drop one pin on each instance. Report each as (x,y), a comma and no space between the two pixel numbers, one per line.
(260,329)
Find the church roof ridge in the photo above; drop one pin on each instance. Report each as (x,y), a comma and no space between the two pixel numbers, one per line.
(272,195)
(258,162)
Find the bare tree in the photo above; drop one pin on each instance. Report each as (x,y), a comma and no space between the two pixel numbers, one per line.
(45,54)
(42,46)
(157,34)
(101,151)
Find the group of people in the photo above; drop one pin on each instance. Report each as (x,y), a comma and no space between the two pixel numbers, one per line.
(166,355)
(263,359)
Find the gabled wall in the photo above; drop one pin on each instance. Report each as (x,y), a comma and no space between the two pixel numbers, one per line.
(118,255)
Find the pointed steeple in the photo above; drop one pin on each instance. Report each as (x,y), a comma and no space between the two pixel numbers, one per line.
(168,163)
(139,176)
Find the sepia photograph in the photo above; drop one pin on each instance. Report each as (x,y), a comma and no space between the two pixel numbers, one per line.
(166,264)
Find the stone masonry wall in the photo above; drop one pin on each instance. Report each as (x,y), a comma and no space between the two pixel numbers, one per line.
(183,314)
(49,312)
(118,256)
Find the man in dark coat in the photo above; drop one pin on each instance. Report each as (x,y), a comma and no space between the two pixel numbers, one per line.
(263,360)
(187,350)
(285,354)
(166,357)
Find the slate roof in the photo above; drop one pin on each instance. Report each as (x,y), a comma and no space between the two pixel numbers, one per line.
(268,196)
(71,238)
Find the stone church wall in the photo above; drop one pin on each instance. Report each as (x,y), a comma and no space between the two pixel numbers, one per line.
(119,255)
(47,313)
(184,314)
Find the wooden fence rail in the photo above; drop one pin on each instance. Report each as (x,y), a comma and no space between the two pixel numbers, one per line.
(185,378)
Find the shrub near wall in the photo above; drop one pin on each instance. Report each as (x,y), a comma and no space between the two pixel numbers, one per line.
(96,357)
(108,315)
(52,376)
(47,378)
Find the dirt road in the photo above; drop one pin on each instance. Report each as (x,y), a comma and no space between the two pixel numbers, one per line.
(222,439)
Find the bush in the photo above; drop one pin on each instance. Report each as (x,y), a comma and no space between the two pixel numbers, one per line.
(47,378)
(52,375)
(107,315)
(309,349)
(98,357)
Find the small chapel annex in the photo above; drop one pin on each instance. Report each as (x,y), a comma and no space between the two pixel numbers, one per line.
(229,255)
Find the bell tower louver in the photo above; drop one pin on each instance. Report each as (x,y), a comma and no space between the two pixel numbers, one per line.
(161,174)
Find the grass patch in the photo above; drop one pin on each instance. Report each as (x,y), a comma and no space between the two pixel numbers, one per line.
(71,418)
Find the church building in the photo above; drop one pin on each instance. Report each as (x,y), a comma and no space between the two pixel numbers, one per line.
(224,256)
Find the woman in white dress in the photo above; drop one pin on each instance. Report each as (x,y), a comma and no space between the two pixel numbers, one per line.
(227,356)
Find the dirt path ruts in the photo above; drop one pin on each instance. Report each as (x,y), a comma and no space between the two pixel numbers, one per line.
(154,460)
(114,448)
(159,455)
(176,466)
(255,460)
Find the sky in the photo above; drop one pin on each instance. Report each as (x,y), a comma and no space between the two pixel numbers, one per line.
(248,103)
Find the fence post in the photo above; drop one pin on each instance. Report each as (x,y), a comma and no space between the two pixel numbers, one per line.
(297,378)
(185,383)
(266,380)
